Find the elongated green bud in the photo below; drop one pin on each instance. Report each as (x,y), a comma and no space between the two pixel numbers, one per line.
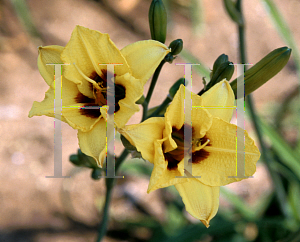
(220,60)
(176,46)
(158,21)
(264,70)
(222,69)
(225,70)
(232,11)
(175,87)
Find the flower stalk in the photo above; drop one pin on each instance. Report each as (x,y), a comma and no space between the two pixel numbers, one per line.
(266,155)
(151,89)
(109,182)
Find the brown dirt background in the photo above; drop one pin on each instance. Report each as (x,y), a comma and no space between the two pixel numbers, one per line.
(31,206)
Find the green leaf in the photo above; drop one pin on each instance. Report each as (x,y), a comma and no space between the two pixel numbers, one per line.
(287,35)
(24,15)
(137,167)
(294,198)
(250,213)
(287,155)
(175,219)
(238,203)
(283,29)
(197,15)
(219,227)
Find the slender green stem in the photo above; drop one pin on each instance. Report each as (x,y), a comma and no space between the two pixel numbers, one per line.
(151,89)
(286,33)
(121,158)
(161,107)
(266,155)
(103,225)
(241,29)
(109,188)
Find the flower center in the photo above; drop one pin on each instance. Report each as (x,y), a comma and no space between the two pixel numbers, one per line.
(100,92)
(194,148)
(103,92)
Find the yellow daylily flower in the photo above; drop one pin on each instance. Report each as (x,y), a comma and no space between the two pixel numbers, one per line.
(84,83)
(212,151)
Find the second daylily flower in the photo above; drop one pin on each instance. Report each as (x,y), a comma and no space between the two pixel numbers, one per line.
(84,83)
(212,151)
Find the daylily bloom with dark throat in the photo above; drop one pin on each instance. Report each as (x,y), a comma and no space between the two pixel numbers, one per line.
(85,84)
(212,151)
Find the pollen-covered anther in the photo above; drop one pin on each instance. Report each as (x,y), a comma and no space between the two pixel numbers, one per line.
(198,144)
(100,95)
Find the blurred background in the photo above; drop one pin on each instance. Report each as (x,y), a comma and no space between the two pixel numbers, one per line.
(38,209)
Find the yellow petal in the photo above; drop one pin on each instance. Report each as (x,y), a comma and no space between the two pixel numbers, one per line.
(49,55)
(143,135)
(161,176)
(87,49)
(72,99)
(144,57)
(219,100)
(46,107)
(133,90)
(215,162)
(201,201)
(71,112)
(93,142)
(175,116)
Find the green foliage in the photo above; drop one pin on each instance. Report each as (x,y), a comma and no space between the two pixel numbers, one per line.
(24,15)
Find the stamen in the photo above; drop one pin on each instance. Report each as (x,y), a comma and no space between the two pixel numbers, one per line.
(198,145)
(199,153)
(87,78)
(207,141)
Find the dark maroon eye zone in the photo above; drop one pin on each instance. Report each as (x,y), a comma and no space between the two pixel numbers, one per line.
(172,161)
(118,95)
(175,156)
(89,108)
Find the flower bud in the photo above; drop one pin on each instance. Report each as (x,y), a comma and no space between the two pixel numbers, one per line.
(158,21)
(175,87)
(96,173)
(169,58)
(75,160)
(176,46)
(264,70)
(232,11)
(220,60)
(223,69)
